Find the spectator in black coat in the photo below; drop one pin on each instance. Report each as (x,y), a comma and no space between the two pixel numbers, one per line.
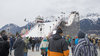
(33,43)
(1,45)
(6,46)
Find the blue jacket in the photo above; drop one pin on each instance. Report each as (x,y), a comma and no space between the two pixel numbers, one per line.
(76,41)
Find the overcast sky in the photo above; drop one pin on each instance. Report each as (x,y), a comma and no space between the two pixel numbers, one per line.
(15,11)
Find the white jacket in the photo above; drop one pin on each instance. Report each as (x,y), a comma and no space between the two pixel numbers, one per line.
(44,44)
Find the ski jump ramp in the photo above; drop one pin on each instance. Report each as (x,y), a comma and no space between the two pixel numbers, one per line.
(69,26)
(42,29)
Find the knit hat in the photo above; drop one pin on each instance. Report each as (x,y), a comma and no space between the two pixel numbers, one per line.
(67,35)
(76,37)
(81,34)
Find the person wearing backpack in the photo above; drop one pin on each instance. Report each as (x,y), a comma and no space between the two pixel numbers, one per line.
(44,47)
(26,41)
(57,45)
(84,46)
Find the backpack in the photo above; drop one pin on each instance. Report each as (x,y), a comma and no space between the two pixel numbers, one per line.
(43,51)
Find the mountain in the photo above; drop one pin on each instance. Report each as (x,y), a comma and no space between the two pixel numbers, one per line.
(90,23)
(11,28)
(86,24)
(98,22)
(92,16)
(14,28)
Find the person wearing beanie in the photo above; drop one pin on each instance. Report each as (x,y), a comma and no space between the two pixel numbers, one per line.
(57,45)
(59,30)
(84,46)
(81,34)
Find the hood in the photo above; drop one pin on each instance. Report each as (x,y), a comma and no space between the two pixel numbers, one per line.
(19,40)
(81,34)
(5,37)
(85,40)
(57,37)
(44,39)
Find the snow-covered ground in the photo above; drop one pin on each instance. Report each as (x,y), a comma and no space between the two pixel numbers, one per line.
(30,53)
(98,52)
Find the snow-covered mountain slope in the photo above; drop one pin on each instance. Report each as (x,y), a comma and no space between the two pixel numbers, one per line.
(92,16)
(12,28)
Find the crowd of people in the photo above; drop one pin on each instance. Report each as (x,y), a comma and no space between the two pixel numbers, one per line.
(19,44)
(56,45)
(81,45)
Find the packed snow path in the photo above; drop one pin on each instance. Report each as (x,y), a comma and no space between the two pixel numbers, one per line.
(30,53)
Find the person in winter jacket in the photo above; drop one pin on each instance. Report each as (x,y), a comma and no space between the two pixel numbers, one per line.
(11,44)
(5,46)
(57,45)
(26,41)
(44,47)
(66,39)
(94,42)
(19,47)
(38,41)
(99,43)
(72,44)
(69,39)
(76,41)
(1,45)
(33,43)
(30,42)
(84,46)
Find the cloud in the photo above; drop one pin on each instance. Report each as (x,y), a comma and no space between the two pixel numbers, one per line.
(15,11)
